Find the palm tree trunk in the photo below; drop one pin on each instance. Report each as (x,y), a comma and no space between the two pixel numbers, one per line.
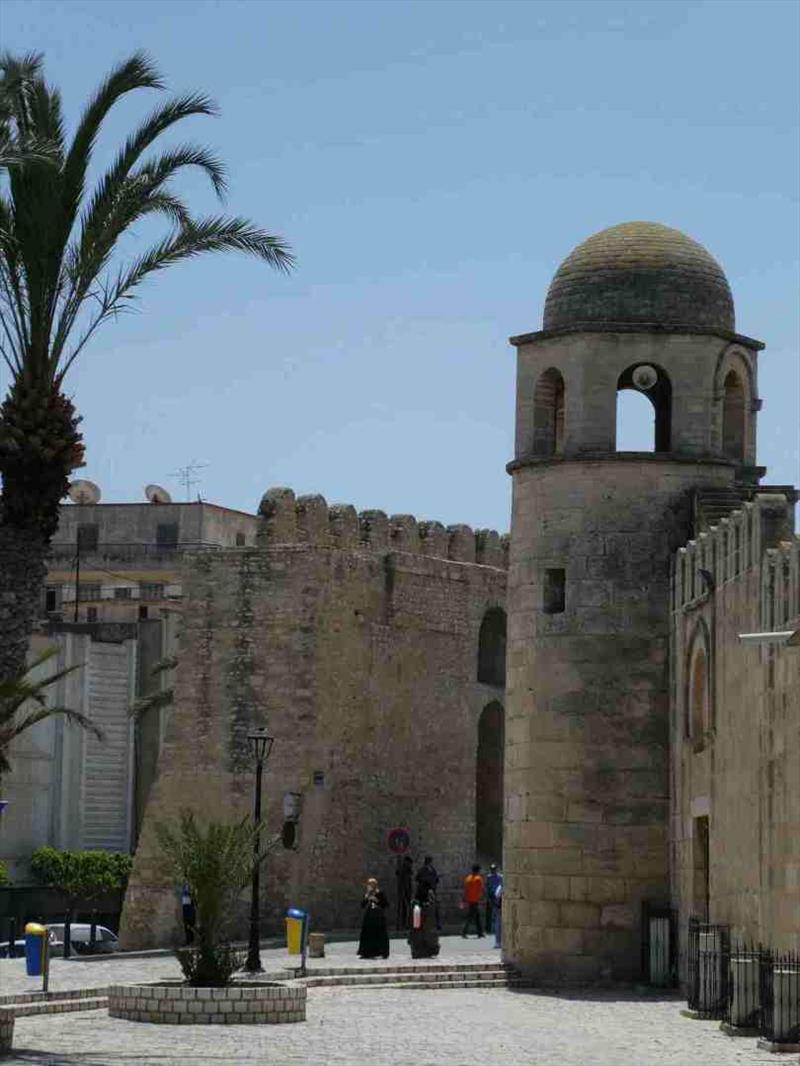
(23,566)
(40,446)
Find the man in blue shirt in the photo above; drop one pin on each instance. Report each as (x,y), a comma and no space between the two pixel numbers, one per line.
(494,879)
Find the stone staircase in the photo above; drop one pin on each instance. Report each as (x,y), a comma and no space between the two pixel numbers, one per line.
(711,505)
(428,976)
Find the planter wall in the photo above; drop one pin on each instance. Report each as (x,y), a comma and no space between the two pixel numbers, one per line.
(240,1004)
(6,1028)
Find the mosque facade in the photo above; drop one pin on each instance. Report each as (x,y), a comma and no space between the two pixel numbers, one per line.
(573,700)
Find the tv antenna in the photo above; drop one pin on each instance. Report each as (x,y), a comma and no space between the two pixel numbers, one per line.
(187,475)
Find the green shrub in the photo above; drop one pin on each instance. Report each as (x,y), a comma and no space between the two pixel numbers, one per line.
(212,968)
(216,861)
(81,875)
(4,878)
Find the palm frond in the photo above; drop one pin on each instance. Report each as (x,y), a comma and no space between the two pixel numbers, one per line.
(206,235)
(23,689)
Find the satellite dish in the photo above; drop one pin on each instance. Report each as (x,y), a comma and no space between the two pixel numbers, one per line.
(156,494)
(84,492)
(645,377)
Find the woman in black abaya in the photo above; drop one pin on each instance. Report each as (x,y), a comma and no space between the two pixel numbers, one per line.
(374,942)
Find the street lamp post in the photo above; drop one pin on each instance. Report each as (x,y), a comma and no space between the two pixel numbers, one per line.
(260,745)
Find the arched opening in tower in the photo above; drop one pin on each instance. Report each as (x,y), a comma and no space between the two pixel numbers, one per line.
(489,784)
(492,648)
(733,417)
(548,414)
(644,410)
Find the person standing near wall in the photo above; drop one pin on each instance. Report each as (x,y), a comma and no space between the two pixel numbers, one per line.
(494,879)
(189,917)
(374,941)
(404,875)
(428,881)
(473,894)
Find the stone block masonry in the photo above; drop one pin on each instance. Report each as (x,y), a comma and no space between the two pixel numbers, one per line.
(235,1005)
(355,638)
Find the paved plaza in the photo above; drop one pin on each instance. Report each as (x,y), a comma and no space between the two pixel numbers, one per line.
(384,1026)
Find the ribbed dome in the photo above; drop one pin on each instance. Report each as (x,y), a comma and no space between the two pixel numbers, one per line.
(639,273)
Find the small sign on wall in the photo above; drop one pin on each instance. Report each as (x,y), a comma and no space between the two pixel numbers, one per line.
(398,840)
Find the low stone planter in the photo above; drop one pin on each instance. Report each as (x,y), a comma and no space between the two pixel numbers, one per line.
(7,1028)
(239,1004)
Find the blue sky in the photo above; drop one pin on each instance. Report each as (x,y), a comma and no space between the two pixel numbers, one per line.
(431,164)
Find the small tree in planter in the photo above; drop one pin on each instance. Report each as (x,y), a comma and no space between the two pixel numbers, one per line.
(80,875)
(216,862)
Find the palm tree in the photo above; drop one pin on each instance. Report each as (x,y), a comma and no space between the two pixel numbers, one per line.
(61,279)
(23,704)
(17,75)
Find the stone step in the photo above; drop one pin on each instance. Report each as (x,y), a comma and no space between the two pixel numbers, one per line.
(443,978)
(410,967)
(460,982)
(13,999)
(60,1006)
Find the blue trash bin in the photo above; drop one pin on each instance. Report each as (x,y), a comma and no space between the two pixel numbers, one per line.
(35,947)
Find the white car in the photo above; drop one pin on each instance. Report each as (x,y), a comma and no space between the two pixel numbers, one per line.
(80,935)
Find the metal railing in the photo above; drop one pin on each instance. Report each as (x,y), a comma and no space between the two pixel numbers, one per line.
(752,989)
(709,951)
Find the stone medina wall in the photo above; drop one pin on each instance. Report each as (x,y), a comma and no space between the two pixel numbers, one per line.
(355,639)
(735,727)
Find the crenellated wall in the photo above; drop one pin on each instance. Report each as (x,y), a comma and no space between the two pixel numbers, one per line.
(736,767)
(289,519)
(355,638)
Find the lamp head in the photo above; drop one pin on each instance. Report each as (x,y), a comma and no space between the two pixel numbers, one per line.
(260,744)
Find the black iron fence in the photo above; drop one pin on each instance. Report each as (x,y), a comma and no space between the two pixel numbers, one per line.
(752,989)
(708,950)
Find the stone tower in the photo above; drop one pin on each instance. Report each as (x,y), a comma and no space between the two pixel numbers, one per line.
(638,306)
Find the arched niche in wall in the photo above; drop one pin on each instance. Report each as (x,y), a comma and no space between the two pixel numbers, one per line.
(492,648)
(548,414)
(699,717)
(644,427)
(734,416)
(489,784)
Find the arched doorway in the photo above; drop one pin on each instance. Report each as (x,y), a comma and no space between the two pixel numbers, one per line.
(489,784)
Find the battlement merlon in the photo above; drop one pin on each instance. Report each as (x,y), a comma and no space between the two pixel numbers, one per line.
(289,519)
(736,544)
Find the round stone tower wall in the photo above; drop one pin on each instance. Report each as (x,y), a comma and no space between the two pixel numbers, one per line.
(639,307)
(587,728)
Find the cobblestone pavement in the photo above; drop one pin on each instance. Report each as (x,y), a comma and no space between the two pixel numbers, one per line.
(121,969)
(386,1026)
(396,1027)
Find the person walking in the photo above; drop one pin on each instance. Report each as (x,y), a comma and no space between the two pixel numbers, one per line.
(498,914)
(494,879)
(473,894)
(374,940)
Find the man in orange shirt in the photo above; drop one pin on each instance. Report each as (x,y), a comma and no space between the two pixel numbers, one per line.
(473,894)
